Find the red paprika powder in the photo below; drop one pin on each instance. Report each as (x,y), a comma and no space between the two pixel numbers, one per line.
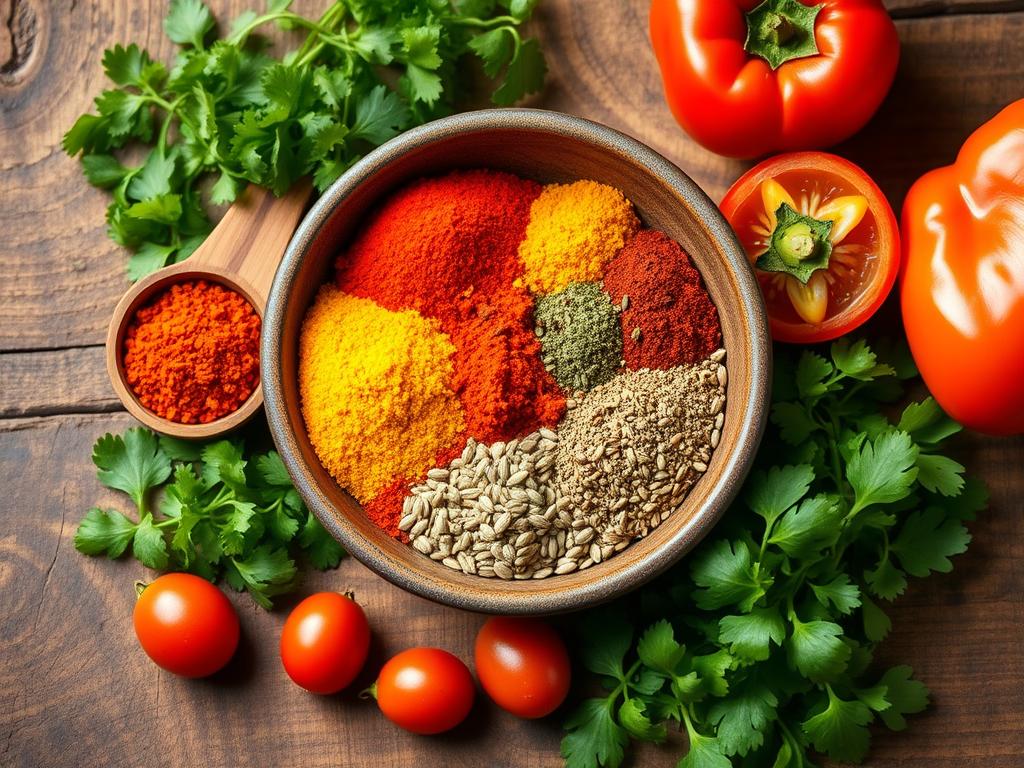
(192,354)
(667,302)
(448,248)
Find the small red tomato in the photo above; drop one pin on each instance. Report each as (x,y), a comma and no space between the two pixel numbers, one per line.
(325,642)
(425,690)
(523,665)
(186,625)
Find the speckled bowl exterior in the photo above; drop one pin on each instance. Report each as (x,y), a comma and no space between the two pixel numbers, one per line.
(548,147)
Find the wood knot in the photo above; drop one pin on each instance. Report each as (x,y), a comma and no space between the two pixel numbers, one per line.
(17,38)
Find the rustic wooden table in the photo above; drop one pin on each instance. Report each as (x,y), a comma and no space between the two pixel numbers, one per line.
(74,687)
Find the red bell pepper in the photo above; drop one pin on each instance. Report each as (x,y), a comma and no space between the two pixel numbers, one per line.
(745,81)
(962,288)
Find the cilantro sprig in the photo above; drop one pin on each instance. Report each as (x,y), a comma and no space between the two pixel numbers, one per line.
(227,111)
(220,514)
(760,644)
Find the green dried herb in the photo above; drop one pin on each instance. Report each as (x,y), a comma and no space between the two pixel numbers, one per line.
(581,342)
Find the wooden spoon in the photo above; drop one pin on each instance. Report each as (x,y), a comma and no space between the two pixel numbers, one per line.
(242,253)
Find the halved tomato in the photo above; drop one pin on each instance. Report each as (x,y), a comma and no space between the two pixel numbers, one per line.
(823,240)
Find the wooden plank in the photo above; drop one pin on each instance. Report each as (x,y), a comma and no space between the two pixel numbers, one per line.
(913,8)
(74,686)
(60,275)
(55,381)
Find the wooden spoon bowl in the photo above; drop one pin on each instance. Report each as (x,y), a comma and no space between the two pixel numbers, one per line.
(547,147)
(242,254)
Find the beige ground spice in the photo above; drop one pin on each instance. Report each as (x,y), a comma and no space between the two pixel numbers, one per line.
(631,449)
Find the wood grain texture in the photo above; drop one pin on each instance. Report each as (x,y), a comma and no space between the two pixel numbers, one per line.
(54,382)
(75,689)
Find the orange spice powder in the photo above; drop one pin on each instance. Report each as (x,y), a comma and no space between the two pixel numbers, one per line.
(192,354)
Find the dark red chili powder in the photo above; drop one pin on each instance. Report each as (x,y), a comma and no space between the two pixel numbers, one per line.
(448,247)
(667,301)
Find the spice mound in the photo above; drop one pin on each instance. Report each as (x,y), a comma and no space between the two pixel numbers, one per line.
(191,355)
(517,381)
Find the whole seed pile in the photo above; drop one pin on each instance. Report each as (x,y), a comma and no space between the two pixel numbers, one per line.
(495,511)
(623,459)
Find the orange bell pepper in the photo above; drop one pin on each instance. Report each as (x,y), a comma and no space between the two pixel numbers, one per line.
(962,288)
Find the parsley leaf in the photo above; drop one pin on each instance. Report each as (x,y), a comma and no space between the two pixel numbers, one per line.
(594,738)
(761,643)
(132,463)
(840,729)
(228,114)
(222,514)
(883,471)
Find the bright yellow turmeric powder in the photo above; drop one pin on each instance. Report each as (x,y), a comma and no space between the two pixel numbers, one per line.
(376,391)
(574,231)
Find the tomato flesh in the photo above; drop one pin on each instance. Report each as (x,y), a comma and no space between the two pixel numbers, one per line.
(425,690)
(523,665)
(325,642)
(863,265)
(186,625)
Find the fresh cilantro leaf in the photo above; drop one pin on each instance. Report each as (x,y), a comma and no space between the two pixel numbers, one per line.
(424,85)
(940,474)
(374,44)
(525,74)
(164,209)
(884,470)
(125,112)
(705,752)
(811,372)
(905,695)
(633,717)
(104,533)
(494,48)
(124,65)
(272,471)
(148,544)
(103,171)
(379,116)
(223,462)
(749,636)
(856,360)
(225,190)
(886,580)
(419,45)
(155,178)
(322,550)
(876,623)
(725,576)
(594,739)
(808,528)
(132,463)
(266,572)
(521,9)
(149,258)
(188,22)
(816,650)
(658,649)
(840,593)
(839,730)
(927,540)
(771,493)
(927,423)
(712,669)
(742,719)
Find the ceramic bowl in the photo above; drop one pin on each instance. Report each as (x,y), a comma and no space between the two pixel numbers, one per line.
(547,147)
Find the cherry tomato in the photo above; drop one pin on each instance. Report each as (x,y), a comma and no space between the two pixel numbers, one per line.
(186,625)
(325,642)
(838,223)
(523,665)
(425,690)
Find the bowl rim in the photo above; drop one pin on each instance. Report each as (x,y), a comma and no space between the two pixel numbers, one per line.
(753,418)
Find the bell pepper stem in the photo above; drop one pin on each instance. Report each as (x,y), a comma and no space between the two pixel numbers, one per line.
(781,30)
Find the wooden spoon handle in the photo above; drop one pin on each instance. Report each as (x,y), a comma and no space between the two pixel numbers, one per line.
(252,237)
